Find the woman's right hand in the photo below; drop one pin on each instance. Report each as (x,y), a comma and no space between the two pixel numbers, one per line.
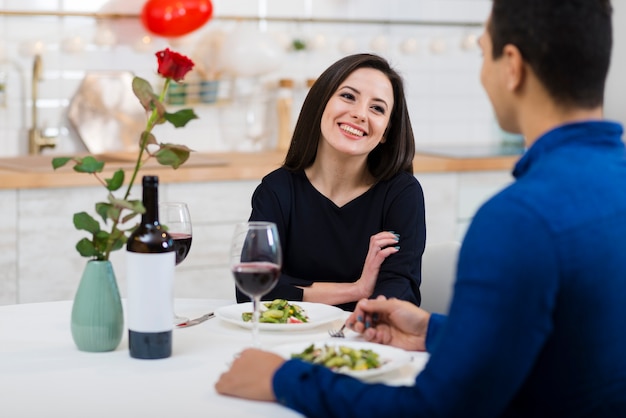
(382,245)
(391,321)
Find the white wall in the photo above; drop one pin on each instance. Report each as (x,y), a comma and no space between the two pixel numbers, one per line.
(446,100)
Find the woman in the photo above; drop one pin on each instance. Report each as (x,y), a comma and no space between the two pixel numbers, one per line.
(349,211)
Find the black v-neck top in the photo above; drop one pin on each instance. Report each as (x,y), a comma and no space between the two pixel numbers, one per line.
(325,243)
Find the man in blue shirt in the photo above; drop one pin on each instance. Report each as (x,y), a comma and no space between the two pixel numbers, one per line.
(535,327)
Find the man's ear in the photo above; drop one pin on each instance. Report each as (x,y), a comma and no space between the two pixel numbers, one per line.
(514,68)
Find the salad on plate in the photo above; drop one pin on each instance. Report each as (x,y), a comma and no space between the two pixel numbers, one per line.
(279,311)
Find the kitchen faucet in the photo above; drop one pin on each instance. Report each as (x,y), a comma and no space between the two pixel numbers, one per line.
(37,140)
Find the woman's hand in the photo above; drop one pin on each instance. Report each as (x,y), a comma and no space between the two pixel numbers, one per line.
(250,376)
(382,245)
(392,322)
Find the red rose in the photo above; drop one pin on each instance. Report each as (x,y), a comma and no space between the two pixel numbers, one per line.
(173,65)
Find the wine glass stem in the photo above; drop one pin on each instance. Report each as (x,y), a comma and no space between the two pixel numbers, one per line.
(255,321)
(176,318)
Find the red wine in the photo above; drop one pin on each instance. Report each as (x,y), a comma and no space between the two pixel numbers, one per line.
(150,262)
(182,243)
(256,279)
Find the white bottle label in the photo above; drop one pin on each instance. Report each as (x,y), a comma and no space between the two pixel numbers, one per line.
(150,286)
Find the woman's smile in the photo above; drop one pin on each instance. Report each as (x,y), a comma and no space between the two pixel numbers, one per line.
(352,130)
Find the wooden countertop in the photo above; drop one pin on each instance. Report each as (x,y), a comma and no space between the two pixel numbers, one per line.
(31,172)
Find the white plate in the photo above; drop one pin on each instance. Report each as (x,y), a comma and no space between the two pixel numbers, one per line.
(391,358)
(318,313)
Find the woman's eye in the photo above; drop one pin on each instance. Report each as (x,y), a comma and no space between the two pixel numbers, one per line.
(379,109)
(348,96)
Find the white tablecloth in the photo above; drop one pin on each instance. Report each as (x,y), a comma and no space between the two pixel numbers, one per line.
(43,374)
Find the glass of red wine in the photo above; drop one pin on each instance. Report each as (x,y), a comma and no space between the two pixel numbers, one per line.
(255,261)
(175,218)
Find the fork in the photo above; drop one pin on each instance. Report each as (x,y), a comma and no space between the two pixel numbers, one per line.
(337,333)
(196,321)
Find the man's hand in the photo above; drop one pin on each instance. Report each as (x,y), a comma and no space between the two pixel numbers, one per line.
(391,321)
(250,376)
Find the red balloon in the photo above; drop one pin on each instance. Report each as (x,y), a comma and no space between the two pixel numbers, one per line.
(172,18)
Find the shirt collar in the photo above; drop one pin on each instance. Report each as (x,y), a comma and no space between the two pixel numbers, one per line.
(595,132)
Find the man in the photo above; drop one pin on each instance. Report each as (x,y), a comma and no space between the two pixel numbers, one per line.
(535,326)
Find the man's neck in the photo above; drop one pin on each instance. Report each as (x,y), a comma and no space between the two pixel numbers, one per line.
(547,117)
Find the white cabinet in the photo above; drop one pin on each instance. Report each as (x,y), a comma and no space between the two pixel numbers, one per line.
(451,200)
(441,201)
(8,249)
(474,189)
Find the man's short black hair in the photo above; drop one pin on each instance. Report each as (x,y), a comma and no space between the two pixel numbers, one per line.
(567,43)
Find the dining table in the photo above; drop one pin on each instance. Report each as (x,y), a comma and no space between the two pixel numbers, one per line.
(44,374)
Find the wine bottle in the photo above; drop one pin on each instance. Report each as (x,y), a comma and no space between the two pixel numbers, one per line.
(150,262)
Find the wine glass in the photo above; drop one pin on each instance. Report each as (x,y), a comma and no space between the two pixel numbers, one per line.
(255,261)
(174,216)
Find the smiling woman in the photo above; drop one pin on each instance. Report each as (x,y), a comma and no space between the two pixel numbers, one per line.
(350,213)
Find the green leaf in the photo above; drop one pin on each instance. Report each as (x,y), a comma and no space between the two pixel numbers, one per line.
(101,240)
(179,119)
(86,248)
(60,162)
(102,209)
(115,182)
(138,206)
(129,217)
(117,234)
(121,203)
(298,44)
(101,236)
(143,91)
(168,157)
(113,212)
(118,244)
(84,221)
(149,138)
(119,239)
(147,98)
(172,155)
(88,165)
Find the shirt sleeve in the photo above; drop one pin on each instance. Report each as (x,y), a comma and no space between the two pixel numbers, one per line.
(435,326)
(337,395)
(400,273)
(499,320)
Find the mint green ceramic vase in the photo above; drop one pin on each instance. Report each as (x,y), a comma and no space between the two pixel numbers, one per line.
(97,315)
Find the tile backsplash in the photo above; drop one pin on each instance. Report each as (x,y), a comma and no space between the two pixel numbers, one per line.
(430,42)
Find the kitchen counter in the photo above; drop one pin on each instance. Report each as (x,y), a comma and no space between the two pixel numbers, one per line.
(32,172)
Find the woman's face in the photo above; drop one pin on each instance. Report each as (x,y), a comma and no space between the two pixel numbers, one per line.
(357,114)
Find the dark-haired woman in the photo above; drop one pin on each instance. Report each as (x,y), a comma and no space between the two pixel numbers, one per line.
(349,211)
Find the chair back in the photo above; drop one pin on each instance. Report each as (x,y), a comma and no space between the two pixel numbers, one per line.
(439,263)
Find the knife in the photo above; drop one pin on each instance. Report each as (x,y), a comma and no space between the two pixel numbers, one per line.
(195,321)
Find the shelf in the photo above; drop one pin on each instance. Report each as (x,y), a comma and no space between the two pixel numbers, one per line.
(114,16)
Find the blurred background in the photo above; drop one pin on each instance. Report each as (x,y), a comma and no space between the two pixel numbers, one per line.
(80,47)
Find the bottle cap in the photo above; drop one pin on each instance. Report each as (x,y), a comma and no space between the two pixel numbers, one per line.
(147,180)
